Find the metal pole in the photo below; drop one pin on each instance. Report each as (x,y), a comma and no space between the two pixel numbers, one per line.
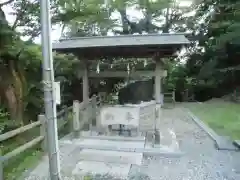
(49,100)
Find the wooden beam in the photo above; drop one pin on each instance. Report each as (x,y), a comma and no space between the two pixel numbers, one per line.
(15,132)
(22,148)
(123,74)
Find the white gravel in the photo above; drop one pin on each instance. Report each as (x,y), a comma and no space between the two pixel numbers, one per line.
(201,162)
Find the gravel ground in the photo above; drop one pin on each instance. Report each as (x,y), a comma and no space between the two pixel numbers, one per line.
(201,161)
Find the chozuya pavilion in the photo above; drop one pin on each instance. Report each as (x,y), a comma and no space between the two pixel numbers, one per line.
(155,46)
(140,119)
(94,146)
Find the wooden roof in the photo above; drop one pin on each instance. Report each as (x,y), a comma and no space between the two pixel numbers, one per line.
(124,46)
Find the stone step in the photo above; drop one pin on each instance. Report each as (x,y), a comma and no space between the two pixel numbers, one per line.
(148,151)
(111,156)
(100,168)
(109,143)
(114,138)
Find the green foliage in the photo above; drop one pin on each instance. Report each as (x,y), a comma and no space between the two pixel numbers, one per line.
(3,119)
(213,57)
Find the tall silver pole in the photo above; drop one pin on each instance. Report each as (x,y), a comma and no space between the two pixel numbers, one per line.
(49,100)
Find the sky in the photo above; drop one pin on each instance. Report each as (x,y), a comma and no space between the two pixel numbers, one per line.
(56,32)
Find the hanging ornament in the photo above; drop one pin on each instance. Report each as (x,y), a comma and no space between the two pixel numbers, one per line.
(98,68)
(128,68)
(145,63)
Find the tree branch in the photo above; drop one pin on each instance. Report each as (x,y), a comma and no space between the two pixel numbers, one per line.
(6,3)
(19,15)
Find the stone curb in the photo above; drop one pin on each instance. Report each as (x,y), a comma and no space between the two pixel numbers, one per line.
(237,143)
(114,138)
(145,151)
(221,142)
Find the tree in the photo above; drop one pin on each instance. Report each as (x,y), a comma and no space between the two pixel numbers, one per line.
(20,65)
(213,57)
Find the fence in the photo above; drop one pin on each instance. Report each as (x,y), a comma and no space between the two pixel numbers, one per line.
(85,114)
(62,120)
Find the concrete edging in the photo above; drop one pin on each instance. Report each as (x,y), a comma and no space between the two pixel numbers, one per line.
(115,138)
(145,151)
(212,134)
(237,143)
(221,142)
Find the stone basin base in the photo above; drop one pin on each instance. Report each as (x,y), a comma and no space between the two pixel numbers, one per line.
(139,117)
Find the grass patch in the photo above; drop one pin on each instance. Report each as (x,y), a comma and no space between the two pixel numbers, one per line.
(14,168)
(22,163)
(28,159)
(221,116)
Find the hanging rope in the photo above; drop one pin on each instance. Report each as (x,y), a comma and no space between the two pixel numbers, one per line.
(127,62)
(145,63)
(128,71)
(98,68)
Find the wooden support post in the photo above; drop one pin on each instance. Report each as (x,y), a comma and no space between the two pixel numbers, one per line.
(66,119)
(43,131)
(94,110)
(158,76)
(85,91)
(69,120)
(65,115)
(85,84)
(156,137)
(158,98)
(76,122)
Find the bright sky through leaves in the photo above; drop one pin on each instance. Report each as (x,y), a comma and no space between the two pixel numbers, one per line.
(56,32)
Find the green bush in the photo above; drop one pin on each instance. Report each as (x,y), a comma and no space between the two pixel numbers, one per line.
(3,120)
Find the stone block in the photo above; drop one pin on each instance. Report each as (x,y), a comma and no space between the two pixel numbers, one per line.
(110,143)
(114,169)
(225,143)
(111,156)
(115,137)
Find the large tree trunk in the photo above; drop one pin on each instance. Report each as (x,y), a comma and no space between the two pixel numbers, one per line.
(11,88)
(11,102)
(11,84)
(18,87)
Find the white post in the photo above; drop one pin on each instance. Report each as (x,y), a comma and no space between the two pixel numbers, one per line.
(76,122)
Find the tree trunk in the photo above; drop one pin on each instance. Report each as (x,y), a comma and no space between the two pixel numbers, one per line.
(18,87)
(11,101)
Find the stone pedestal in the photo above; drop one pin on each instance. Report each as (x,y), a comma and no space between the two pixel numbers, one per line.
(131,118)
